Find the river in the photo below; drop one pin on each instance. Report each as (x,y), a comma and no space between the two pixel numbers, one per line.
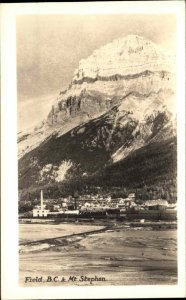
(120,255)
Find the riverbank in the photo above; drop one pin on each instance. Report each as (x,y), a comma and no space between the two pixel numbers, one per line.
(123,255)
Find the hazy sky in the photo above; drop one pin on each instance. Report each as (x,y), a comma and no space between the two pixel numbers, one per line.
(49,48)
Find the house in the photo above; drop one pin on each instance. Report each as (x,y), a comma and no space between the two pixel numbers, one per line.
(56,207)
(64,205)
(132,196)
(127,202)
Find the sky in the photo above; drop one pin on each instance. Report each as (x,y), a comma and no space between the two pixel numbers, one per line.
(49,48)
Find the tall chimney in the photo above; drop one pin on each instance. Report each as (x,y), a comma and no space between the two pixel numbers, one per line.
(41,199)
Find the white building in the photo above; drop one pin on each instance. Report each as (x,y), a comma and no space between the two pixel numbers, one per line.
(131,196)
(156,202)
(40,210)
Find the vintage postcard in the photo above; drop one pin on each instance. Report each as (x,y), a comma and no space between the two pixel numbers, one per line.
(94,101)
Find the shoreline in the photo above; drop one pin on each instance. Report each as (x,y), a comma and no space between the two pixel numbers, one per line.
(101,222)
(112,227)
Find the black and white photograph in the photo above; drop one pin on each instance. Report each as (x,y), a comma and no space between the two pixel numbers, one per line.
(97,149)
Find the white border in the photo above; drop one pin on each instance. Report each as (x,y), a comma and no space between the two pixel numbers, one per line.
(9,206)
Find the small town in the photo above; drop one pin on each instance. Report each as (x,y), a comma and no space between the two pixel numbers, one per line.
(97,206)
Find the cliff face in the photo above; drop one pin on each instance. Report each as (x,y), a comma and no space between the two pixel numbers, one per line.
(125,66)
(89,99)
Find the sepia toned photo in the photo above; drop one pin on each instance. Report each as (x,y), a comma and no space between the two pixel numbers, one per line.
(97,160)
(97,150)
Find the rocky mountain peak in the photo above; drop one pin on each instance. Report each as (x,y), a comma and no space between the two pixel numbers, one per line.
(129,55)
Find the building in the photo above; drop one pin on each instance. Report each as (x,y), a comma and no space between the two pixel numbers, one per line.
(132,196)
(40,210)
(158,204)
(56,207)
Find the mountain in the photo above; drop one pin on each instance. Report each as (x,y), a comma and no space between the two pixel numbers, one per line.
(128,65)
(120,102)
